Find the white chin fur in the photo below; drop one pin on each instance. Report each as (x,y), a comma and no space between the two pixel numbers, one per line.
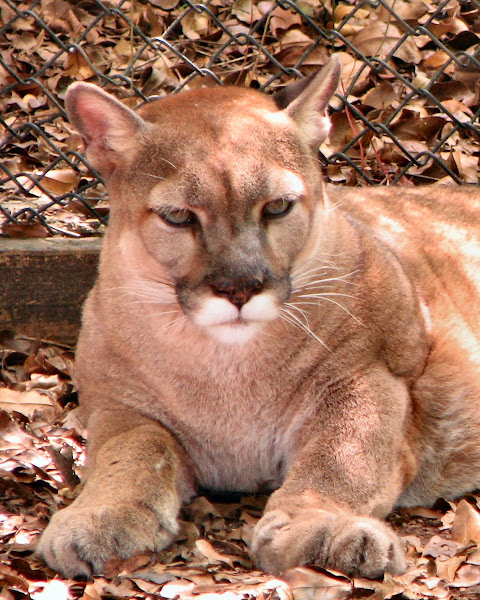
(236,333)
(229,325)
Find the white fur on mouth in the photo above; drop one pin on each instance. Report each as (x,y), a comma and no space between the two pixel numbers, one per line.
(238,332)
(216,311)
(228,324)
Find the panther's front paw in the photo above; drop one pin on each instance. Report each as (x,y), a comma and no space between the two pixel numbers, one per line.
(356,546)
(80,539)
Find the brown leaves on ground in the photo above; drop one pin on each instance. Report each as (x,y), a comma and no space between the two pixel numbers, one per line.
(41,456)
(389,131)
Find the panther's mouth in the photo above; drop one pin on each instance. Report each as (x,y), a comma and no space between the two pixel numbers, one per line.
(238,322)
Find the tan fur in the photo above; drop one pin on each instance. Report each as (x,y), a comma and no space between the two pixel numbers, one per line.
(352,383)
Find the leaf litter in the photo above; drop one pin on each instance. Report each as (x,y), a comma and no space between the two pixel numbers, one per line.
(42,444)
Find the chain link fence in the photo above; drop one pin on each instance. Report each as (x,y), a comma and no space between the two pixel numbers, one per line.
(406,111)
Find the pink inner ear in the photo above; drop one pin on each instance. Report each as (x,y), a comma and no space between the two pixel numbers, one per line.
(99,119)
(96,118)
(108,128)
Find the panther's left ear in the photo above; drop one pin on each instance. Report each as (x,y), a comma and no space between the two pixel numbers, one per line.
(306,101)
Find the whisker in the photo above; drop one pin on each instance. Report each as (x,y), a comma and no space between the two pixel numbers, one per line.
(325,283)
(302,312)
(323,294)
(168,312)
(285,316)
(145,290)
(306,303)
(331,207)
(335,254)
(302,325)
(320,297)
(155,298)
(307,275)
(141,287)
(317,287)
(152,175)
(175,322)
(338,278)
(324,266)
(156,176)
(157,281)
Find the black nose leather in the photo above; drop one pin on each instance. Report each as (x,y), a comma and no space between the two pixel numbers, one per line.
(238,292)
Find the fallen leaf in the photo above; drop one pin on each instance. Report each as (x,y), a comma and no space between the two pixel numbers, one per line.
(50,590)
(246,11)
(466,524)
(447,567)
(311,584)
(176,589)
(195,24)
(165,4)
(380,96)
(438,546)
(28,403)
(209,552)
(381,39)
(467,576)
(25,230)
(282,19)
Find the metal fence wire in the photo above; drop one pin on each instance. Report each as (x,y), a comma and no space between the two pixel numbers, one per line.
(406,110)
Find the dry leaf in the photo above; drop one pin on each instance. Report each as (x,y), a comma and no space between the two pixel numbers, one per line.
(380,39)
(354,73)
(466,525)
(76,66)
(176,589)
(195,25)
(165,4)
(466,576)
(209,552)
(25,230)
(447,567)
(246,11)
(438,546)
(59,181)
(281,20)
(10,432)
(51,589)
(27,403)
(310,584)
(380,96)
(467,166)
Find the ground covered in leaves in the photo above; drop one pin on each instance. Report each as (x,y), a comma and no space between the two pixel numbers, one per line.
(41,459)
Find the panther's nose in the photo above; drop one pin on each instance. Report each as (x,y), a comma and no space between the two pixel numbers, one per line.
(238,292)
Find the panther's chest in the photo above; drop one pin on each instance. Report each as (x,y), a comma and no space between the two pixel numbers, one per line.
(240,437)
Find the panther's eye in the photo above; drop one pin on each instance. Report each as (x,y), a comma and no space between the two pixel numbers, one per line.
(176,217)
(277,208)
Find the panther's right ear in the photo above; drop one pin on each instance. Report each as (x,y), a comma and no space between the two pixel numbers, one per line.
(108,128)
(306,102)
(291,91)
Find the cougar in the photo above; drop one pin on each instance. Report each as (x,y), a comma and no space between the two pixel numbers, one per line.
(253,329)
